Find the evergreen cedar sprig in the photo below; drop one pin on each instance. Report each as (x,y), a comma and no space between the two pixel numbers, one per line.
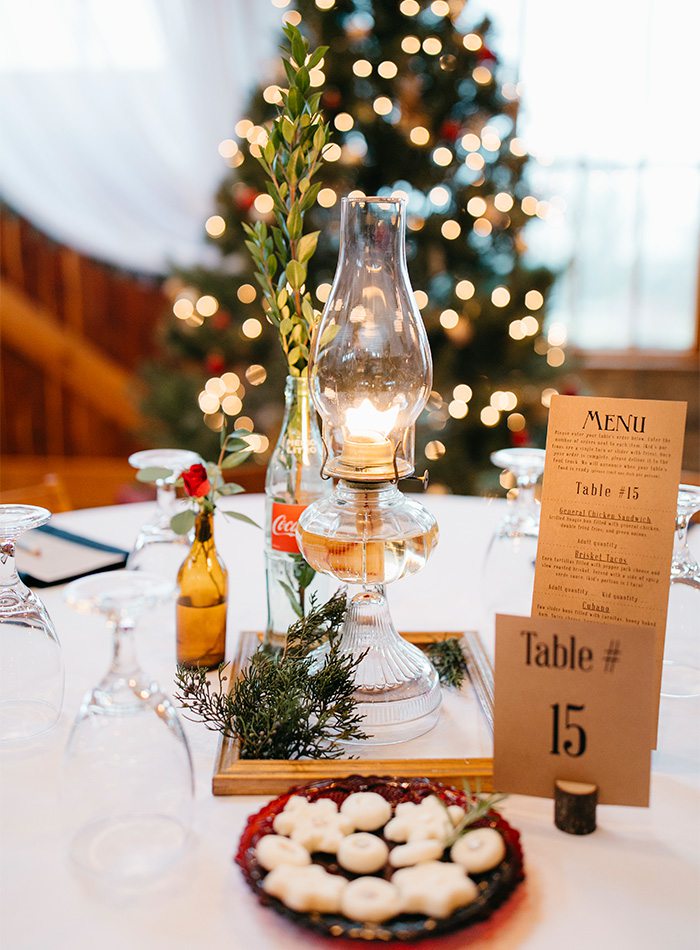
(205,484)
(448,659)
(285,705)
(290,158)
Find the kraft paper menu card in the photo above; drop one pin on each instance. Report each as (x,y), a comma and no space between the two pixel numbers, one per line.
(608,511)
(574,701)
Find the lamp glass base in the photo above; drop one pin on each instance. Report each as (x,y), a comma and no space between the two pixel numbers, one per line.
(397,687)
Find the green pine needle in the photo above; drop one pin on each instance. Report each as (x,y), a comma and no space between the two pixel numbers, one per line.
(287,704)
(448,659)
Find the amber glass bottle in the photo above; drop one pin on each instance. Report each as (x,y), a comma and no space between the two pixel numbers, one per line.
(202,599)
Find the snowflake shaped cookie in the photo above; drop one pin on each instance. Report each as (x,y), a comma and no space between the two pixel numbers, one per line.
(434,888)
(306,889)
(427,819)
(317,826)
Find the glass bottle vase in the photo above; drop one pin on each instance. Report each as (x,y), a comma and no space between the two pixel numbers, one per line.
(202,600)
(292,483)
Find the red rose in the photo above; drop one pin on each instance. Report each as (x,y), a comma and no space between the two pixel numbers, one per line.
(196,482)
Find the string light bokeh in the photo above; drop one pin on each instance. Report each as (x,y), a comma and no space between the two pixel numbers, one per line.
(466,158)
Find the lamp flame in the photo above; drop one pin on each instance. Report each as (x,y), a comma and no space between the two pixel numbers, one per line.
(366,419)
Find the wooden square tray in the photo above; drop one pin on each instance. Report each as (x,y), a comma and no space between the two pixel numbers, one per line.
(236,776)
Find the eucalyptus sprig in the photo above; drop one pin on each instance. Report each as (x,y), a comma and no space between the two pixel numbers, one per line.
(291,158)
(205,483)
(284,705)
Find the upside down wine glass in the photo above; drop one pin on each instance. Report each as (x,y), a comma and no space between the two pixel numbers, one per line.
(128,780)
(681,667)
(509,565)
(158,548)
(31,663)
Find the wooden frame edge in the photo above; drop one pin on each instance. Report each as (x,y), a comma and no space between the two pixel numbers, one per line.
(236,776)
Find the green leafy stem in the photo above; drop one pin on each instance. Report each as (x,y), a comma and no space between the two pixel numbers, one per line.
(291,158)
(234,449)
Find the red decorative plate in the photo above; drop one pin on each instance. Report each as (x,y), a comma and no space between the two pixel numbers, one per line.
(494,886)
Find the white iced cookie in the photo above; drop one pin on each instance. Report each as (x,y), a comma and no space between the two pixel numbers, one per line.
(367,810)
(417,822)
(415,852)
(273,850)
(456,813)
(362,853)
(306,888)
(370,900)
(434,888)
(479,850)
(297,808)
(321,832)
(428,806)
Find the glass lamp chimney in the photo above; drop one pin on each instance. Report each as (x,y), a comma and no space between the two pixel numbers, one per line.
(370,367)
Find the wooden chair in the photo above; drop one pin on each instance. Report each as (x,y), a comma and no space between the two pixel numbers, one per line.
(51,493)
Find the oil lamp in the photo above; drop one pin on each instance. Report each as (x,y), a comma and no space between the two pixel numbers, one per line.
(370,374)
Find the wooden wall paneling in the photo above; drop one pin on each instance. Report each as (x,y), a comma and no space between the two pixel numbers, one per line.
(76,394)
(82,432)
(83,367)
(23,404)
(54,426)
(11,248)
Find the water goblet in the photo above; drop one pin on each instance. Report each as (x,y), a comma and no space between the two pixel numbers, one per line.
(31,662)
(681,666)
(128,780)
(158,548)
(509,565)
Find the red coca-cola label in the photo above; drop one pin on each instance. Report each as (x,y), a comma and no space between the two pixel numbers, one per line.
(284,526)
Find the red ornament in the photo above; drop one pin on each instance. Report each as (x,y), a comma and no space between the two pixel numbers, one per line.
(244,197)
(215,363)
(485,53)
(520,439)
(197,484)
(220,321)
(449,130)
(331,98)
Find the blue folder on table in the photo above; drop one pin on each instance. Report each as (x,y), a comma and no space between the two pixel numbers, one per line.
(48,556)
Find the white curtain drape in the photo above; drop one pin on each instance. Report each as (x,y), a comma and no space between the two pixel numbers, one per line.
(111,112)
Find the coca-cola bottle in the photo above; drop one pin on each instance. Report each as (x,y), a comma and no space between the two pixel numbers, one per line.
(293,481)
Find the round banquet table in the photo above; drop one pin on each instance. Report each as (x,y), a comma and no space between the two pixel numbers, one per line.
(634,883)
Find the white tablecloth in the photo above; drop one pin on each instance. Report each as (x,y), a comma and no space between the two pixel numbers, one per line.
(635,883)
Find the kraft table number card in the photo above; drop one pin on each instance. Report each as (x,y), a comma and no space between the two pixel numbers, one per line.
(574,701)
(608,512)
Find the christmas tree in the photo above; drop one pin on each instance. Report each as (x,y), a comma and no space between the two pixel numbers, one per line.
(418,106)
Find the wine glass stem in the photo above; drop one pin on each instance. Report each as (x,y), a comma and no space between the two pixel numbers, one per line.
(8,571)
(165,495)
(683,561)
(124,662)
(525,503)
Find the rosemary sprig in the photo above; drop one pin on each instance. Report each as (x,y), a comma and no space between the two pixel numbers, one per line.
(478,806)
(448,659)
(285,705)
